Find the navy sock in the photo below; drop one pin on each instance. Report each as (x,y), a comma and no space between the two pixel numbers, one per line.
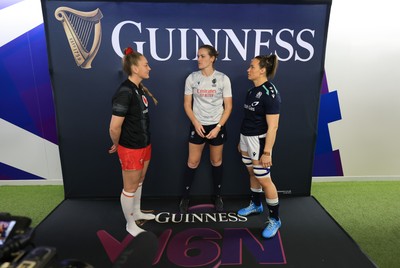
(188,180)
(217,173)
(256,198)
(274,210)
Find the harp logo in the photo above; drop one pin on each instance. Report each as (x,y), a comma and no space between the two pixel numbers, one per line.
(83,31)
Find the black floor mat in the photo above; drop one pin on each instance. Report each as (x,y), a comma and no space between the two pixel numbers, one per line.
(93,231)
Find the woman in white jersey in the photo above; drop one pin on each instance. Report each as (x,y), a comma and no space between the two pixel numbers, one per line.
(208,105)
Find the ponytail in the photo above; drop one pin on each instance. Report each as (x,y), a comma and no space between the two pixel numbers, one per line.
(270,63)
(147,91)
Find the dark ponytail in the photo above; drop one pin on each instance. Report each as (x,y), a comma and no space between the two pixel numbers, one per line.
(270,63)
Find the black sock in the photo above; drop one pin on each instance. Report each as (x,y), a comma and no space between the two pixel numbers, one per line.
(217,173)
(188,180)
(256,198)
(274,211)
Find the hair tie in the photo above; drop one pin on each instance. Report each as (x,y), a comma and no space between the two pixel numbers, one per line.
(128,51)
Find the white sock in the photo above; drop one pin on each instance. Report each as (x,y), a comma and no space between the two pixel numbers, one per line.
(127,205)
(138,214)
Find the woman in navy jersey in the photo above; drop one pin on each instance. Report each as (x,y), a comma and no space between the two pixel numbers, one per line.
(129,132)
(208,105)
(257,138)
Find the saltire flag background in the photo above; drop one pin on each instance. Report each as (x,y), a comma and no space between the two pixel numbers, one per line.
(168,34)
(28,145)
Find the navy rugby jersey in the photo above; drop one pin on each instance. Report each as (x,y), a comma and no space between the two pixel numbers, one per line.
(130,102)
(260,101)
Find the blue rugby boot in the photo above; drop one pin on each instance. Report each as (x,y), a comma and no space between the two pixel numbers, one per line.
(251,209)
(272,228)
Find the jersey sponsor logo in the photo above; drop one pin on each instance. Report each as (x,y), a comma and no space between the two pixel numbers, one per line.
(248,107)
(206,92)
(255,103)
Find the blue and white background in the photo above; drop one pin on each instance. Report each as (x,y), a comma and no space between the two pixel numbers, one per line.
(28,140)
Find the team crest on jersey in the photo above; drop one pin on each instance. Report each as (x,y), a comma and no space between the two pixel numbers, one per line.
(214,81)
(144,99)
(259,94)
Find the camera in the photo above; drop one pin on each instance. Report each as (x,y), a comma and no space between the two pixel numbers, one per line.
(17,249)
(16,246)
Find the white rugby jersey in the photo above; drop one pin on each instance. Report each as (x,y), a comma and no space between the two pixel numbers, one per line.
(208,93)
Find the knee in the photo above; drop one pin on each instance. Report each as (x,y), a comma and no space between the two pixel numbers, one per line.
(193,164)
(216,163)
(130,188)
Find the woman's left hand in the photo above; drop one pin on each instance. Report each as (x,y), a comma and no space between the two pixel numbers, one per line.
(266,160)
(113,149)
(213,133)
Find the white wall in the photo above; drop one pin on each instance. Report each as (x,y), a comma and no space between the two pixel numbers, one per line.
(362,64)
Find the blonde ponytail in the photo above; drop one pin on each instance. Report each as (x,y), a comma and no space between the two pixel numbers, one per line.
(147,91)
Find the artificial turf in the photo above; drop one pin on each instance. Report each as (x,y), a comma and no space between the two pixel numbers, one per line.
(369,212)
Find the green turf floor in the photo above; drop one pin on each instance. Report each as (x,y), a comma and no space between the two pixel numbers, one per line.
(35,202)
(368,211)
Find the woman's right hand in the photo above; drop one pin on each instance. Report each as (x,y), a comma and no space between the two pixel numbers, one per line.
(199,129)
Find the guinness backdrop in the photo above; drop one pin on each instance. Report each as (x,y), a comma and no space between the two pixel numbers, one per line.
(85,43)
